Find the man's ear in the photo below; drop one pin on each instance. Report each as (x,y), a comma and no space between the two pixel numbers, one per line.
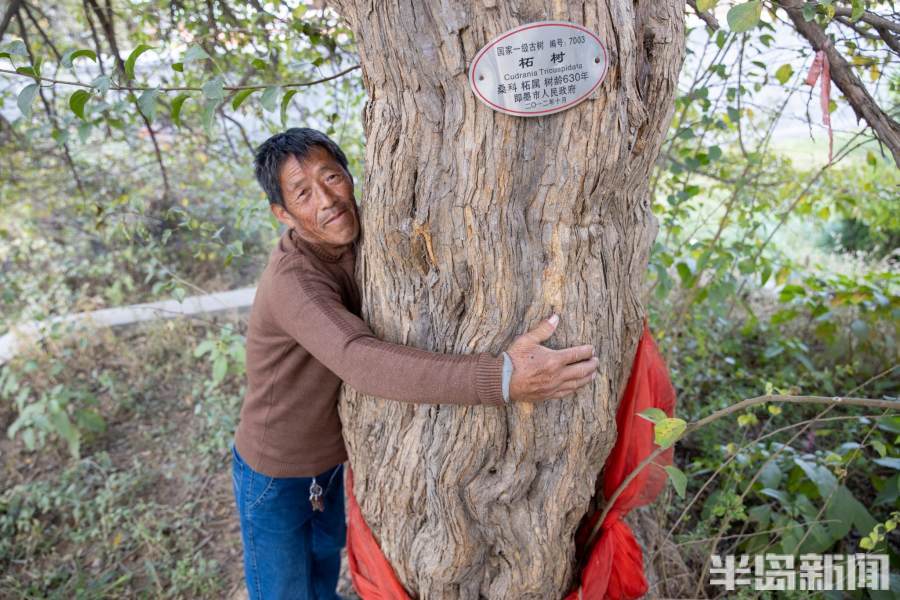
(283,216)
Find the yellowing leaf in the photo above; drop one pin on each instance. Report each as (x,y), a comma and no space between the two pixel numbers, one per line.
(746,420)
(784,72)
(874,73)
(744,16)
(668,431)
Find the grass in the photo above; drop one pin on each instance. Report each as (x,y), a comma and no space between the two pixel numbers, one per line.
(147,508)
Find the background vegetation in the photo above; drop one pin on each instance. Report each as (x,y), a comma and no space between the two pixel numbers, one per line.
(127,132)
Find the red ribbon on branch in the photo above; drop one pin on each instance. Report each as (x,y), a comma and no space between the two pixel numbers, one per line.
(614,569)
(820,67)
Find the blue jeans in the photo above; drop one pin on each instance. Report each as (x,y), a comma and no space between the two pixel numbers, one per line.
(289,550)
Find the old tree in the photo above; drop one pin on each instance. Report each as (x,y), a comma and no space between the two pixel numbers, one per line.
(476,224)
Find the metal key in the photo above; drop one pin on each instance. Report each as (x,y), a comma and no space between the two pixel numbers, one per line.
(315,496)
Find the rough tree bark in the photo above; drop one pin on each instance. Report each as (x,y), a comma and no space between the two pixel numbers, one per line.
(475,225)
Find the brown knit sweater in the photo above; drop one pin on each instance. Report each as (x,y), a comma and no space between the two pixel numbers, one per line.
(305,337)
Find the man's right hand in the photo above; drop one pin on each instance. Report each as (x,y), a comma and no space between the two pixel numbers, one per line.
(541,373)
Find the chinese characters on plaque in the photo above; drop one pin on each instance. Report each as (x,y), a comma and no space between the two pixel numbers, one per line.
(539,69)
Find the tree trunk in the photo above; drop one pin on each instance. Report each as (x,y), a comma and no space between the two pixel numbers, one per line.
(476,225)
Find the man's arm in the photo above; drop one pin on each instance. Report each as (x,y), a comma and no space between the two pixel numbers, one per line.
(311,311)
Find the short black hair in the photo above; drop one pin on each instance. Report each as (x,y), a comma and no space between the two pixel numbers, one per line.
(296,142)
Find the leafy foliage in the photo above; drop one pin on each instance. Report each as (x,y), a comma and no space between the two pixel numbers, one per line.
(774,271)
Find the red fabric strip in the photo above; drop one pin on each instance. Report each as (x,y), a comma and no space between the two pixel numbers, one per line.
(820,67)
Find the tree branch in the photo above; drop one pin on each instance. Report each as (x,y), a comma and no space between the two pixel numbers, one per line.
(864,106)
(7,17)
(229,88)
(875,20)
(42,33)
(883,34)
(106,22)
(706,16)
(242,131)
(49,108)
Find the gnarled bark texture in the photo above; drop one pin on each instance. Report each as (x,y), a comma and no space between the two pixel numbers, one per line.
(475,225)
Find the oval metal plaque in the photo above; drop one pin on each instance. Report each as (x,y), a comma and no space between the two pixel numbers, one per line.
(538,69)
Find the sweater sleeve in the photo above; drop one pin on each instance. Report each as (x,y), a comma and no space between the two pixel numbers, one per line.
(307,304)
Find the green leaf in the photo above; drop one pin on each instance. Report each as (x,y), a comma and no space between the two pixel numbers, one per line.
(684,273)
(101,84)
(890,423)
(204,347)
(654,415)
(195,53)
(84,132)
(60,135)
(220,369)
(783,74)
(745,16)
(668,431)
(734,115)
(778,495)
(890,492)
(705,5)
(14,48)
(64,428)
(214,89)
(26,97)
(77,101)
(28,438)
(259,64)
(240,97)
(179,293)
(209,114)
(859,328)
(824,479)
(809,11)
(678,478)
(761,514)
(90,420)
(890,463)
(846,507)
(285,101)
(871,159)
(858,9)
(269,98)
(71,55)
(177,103)
(770,475)
(132,58)
(147,103)
(178,67)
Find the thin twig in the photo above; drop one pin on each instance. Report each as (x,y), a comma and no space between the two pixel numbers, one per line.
(235,88)
(719,414)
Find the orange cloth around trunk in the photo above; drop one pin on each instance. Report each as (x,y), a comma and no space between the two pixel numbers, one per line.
(614,569)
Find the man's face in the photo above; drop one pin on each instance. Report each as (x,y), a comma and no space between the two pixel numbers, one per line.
(318,195)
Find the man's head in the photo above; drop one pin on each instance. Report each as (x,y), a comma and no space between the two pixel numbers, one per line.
(305,176)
